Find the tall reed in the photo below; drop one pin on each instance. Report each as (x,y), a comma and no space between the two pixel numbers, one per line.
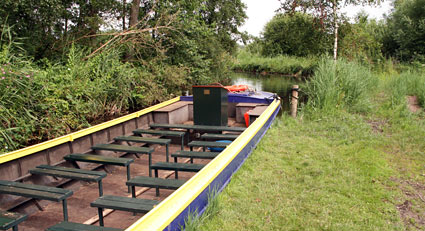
(340,84)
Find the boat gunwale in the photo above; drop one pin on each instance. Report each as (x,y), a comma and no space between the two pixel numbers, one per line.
(165,213)
(10,156)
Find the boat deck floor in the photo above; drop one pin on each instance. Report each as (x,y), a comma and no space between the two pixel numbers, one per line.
(79,209)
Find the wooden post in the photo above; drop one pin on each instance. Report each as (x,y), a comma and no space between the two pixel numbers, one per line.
(294,101)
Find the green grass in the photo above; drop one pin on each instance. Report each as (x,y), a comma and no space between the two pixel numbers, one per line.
(338,169)
(194,221)
(286,65)
(310,176)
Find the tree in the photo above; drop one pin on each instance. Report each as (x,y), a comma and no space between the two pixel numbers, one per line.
(361,40)
(324,10)
(225,17)
(297,34)
(405,34)
(46,25)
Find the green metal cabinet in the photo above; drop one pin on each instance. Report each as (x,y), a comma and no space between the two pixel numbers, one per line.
(210,105)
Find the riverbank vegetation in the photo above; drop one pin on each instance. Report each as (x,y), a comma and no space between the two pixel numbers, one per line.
(72,64)
(352,160)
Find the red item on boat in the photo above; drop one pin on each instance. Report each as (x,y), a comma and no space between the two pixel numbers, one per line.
(234,88)
(246,116)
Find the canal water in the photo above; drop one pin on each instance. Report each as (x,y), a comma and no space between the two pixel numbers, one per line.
(278,84)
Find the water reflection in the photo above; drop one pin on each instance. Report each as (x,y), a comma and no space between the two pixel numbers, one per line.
(278,84)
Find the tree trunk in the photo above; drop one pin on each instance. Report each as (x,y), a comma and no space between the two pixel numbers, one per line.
(336,30)
(134,13)
(123,14)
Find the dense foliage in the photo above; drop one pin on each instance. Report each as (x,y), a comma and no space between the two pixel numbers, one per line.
(298,34)
(70,64)
(405,32)
(361,40)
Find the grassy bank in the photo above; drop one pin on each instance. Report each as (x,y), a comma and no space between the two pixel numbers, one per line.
(341,165)
(286,65)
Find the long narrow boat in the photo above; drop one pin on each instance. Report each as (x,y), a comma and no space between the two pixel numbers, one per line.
(257,109)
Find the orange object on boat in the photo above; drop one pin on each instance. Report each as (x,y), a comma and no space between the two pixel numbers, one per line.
(234,88)
(246,116)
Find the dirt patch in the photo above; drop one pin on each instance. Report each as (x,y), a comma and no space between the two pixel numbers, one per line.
(412,210)
(413,103)
(377,125)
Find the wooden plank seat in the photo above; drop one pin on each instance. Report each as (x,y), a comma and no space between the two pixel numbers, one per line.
(176,167)
(37,192)
(71,173)
(146,140)
(194,155)
(122,203)
(157,183)
(11,220)
(215,136)
(126,149)
(71,226)
(205,144)
(162,133)
(199,127)
(98,159)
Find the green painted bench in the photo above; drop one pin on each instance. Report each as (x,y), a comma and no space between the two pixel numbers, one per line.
(134,205)
(194,155)
(199,127)
(205,144)
(146,140)
(71,226)
(126,149)
(98,159)
(162,133)
(157,183)
(176,167)
(37,192)
(11,220)
(215,136)
(71,173)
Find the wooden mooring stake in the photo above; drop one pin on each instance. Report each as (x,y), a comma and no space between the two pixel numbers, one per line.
(294,100)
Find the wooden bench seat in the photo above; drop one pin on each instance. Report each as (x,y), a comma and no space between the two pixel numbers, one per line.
(146,140)
(205,144)
(122,203)
(176,167)
(144,181)
(98,159)
(162,133)
(37,192)
(71,226)
(194,155)
(71,173)
(126,149)
(11,220)
(214,136)
(199,127)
